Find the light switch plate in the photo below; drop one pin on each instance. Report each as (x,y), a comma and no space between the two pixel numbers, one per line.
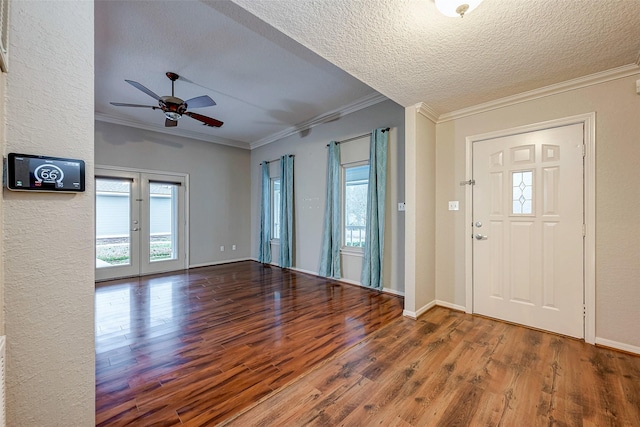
(454,205)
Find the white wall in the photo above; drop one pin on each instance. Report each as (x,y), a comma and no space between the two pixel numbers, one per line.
(48,238)
(310,172)
(219,184)
(617,108)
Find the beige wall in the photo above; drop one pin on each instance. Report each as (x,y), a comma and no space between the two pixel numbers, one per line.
(3,144)
(420,190)
(48,238)
(617,109)
(310,177)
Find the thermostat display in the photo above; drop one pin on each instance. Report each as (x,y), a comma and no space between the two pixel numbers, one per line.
(27,172)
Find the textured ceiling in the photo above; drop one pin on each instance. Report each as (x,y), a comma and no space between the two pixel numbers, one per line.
(269,64)
(409,52)
(263,82)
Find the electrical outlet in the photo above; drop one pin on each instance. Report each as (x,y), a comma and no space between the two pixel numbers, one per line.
(402,207)
(454,205)
(221,248)
(233,247)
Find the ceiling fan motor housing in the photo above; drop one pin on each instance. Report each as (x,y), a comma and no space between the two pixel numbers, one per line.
(173,107)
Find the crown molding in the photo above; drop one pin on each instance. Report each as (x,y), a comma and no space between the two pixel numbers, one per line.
(590,80)
(360,104)
(171,131)
(427,111)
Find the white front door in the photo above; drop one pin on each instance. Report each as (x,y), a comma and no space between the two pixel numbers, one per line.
(528,229)
(140,223)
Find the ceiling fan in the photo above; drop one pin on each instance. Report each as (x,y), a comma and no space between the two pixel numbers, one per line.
(174,107)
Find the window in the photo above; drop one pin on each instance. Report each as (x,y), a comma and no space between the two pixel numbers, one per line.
(356,185)
(522,192)
(275,209)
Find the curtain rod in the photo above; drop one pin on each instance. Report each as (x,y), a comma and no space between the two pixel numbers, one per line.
(358,137)
(276,160)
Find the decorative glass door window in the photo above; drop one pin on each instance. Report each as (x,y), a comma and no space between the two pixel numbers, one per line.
(522,192)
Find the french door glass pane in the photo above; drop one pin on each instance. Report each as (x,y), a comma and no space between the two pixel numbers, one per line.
(113,222)
(163,204)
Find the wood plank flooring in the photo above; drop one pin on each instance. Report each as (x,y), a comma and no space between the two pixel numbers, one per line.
(247,345)
(453,369)
(196,348)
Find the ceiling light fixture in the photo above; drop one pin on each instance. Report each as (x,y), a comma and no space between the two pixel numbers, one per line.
(455,8)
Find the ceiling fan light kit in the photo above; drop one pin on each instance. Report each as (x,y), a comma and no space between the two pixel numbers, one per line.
(173,107)
(455,8)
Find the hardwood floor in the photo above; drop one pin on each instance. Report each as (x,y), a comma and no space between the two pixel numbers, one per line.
(247,345)
(453,369)
(196,348)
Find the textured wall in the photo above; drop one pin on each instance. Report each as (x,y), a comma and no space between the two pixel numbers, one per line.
(219,184)
(617,108)
(310,177)
(48,238)
(3,142)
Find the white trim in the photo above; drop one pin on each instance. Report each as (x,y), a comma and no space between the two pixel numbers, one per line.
(588,121)
(359,104)
(421,311)
(450,305)
(313,273)
(227,261)
(134,170)
(352,251)
(350,282)
(618,345)
(468,227)
(581,82)
(101,117)
(427,111)
(393,292)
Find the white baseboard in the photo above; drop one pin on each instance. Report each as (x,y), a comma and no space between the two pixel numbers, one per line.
(227,261)
(351,282)
(618,345)
(420,311)
(451,305)
(393,292)
(300,270)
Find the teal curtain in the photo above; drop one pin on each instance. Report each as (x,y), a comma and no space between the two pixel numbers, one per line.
(264,251)
(374,232)
(330,255)
(286,211)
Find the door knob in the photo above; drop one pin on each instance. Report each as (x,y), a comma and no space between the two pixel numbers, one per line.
(481,237)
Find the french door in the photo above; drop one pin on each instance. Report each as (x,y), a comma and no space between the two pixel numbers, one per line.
(140,223)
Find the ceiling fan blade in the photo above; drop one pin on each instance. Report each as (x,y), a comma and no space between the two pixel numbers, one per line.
(168,123)
(200,102)
(122,104)
(142,88)
(208,121)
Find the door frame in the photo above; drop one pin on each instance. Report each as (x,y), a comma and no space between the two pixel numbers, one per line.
(588,121)
(185,177)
